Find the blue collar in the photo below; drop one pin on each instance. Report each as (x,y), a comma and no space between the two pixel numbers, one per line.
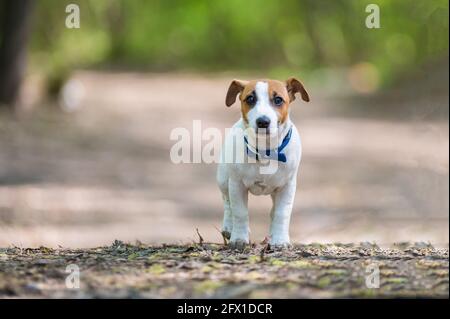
(275,154)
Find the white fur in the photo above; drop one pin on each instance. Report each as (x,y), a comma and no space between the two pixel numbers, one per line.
(263,107)
(235,180)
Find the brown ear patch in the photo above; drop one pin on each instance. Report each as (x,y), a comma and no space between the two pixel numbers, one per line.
(278,88)
(295,86)
(236,87)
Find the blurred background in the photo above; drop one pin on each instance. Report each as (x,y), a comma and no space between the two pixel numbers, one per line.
(86,114)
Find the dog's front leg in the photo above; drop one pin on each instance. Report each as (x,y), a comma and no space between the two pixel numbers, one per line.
(239,208)
(283,200)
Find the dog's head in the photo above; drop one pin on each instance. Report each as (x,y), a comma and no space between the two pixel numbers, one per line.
(265,103)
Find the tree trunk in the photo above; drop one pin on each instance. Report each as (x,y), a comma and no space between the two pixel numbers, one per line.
(14,29)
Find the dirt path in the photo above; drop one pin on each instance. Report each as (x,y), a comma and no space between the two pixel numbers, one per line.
(213,271)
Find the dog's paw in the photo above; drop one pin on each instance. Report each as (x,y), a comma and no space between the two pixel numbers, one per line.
(284,246)
(280,244)
(238,244)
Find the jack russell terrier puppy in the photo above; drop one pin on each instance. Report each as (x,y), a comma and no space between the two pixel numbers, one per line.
(265,120)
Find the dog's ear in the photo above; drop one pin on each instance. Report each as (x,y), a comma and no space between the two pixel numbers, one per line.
(236,87)
(295,86)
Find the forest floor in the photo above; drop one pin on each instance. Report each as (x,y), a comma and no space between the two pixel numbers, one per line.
(205,270)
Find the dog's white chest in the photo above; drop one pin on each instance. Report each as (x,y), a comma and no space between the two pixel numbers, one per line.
(261,178)
(263,184)
(259,187)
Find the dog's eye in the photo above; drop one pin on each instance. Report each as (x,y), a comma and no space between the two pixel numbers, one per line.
(251,100)
(277,100)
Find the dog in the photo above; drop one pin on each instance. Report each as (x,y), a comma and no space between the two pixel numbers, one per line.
(265,117)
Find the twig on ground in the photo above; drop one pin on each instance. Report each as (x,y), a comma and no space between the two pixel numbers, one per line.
(225,241)
(266,247)
(200,238)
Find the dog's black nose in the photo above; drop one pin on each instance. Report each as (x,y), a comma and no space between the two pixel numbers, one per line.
(263,122)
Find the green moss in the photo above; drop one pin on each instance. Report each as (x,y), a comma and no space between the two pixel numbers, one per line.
(324,282)
(336,272)
(387,272)
(324,264)
(207,269)
(439,273)
(302,264)
(277,262)
(426,264)
(168,291)
(396,280)
(133,256)
(175,250)
(254,259)
(365,293)
(254,275)
(156,256)
(291,286)
(260,294)
(157,269)
(207,286)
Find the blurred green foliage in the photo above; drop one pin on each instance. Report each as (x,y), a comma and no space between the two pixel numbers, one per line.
(269,37)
